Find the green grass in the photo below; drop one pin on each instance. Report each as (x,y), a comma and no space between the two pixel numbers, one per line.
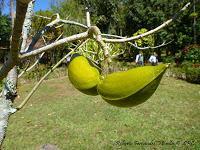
(60,115)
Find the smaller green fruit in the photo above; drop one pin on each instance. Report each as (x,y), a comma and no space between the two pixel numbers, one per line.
(83,76)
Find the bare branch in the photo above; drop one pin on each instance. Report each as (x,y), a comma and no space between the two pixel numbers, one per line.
(94,62)
(44,17)
(38,60)
(24,70)
(149,47)
(40,33)
(73,23)
(27,69)
(151,31)
(53,45)
(48,27)
(65,21)
(113,36)
(90,52)
(135,45)
(116,55)
(59,36)
(88,17)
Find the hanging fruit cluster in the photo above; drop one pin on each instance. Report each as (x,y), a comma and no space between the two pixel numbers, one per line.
(122,89)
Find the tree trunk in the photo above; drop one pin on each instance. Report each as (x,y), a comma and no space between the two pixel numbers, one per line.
(5,111)
(12,12)
(194,23)
(9,91)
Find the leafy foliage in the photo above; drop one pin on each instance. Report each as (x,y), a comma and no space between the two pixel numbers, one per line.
(92,51)
(187,71)
(71,10)
(152,13)
(193,54)
(193,74)
(5,29)
(145,41)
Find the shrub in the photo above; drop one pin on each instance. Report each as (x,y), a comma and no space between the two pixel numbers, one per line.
(168,59)
(176,72)
(186,64)
(186,71)
(192,71)
(192,54)
(193,74)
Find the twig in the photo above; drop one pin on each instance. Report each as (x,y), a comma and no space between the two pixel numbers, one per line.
(88,17)
(73,23)
(32,66)
(90,52)
(114,56)
(44,17)
(24,70)
(94,62)
(149,47)
(65,21)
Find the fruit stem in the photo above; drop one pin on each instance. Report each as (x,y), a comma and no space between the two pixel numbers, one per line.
(95,33)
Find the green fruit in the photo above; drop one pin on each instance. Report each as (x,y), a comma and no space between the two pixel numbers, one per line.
(132,87)
(83,76)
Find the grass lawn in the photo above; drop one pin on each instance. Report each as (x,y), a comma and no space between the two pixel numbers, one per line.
(60,115)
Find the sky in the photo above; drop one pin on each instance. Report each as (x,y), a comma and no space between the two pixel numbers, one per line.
(39,5)
(42,5)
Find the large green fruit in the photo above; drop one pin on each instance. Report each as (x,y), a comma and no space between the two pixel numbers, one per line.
(132,87)
(83,76)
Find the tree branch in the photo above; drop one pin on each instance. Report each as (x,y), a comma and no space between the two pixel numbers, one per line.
(72,38)
(40,33)
(149,32)
(65,21)
(135,45)
(149,47)
(88,17)
(38,60)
